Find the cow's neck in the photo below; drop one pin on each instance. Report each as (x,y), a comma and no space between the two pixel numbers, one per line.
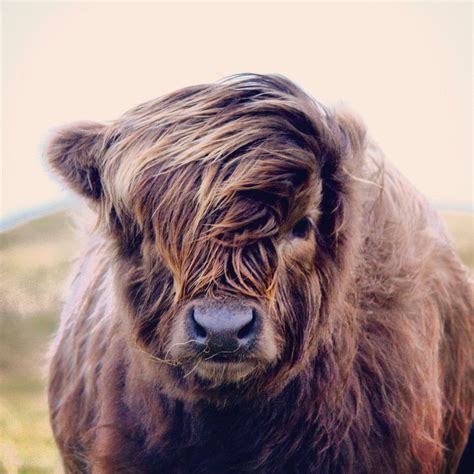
(206,435)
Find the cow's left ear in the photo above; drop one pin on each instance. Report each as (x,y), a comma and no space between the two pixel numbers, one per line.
(352,134)
(74,153)
(342,161)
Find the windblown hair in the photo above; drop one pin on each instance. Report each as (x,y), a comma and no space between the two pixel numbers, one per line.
(248,188)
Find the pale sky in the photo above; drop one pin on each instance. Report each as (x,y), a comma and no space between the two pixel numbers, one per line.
(405,68)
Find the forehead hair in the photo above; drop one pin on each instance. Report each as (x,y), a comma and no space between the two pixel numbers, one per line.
(211,143)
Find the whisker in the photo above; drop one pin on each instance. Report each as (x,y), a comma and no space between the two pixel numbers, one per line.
(179,344)
(172,362)
(193,369)
(223,352)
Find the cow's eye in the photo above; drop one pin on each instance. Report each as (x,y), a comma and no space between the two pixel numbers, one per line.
(301,228)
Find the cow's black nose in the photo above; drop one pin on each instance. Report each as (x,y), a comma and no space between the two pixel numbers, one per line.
(223,329)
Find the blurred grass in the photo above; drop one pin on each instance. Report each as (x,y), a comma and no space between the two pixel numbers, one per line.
(35,261)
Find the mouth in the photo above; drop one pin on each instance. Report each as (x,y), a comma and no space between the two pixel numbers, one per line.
(222,372)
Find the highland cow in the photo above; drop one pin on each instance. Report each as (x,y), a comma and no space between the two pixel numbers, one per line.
(261,292)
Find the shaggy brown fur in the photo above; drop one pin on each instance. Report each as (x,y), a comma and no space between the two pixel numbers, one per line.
(248,189)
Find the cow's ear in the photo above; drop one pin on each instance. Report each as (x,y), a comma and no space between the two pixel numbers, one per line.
(352,134)
(341,164)
(74,153)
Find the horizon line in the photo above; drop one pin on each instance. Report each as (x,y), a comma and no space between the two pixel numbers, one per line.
(17,218)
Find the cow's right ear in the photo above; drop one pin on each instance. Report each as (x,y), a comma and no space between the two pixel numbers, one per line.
(74,153)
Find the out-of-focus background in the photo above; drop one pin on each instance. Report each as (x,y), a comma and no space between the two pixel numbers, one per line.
(405,68)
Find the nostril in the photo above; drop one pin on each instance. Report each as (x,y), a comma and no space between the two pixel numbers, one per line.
(247,330)
(198,331)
